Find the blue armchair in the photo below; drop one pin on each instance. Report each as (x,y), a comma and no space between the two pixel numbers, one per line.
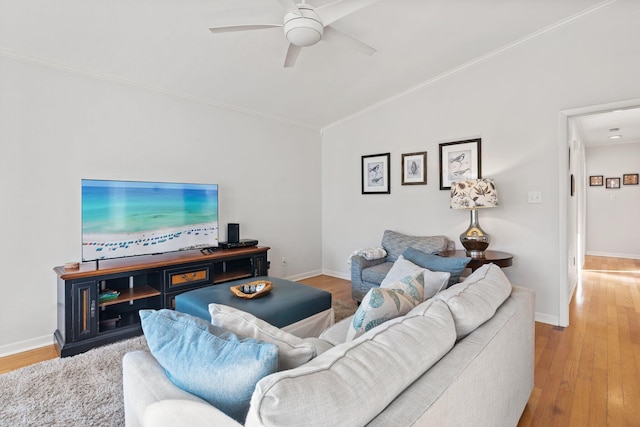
(366,274)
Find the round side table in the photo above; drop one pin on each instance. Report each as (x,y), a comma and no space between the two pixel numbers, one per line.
(501,259)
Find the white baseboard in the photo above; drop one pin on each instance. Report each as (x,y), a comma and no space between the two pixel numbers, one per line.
(19,347)
(345,276)
(303,276)
(314,273)
(614,255)
(546,318)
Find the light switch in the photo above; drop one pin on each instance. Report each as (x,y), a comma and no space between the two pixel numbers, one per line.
(535,197)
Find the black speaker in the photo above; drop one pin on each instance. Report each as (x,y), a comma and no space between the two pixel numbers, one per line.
(233,233)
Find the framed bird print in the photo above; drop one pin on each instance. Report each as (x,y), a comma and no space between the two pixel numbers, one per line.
(459,160)
(376,172)
(414,168)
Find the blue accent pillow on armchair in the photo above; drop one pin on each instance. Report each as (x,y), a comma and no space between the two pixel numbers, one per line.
(207,360)
(455,266)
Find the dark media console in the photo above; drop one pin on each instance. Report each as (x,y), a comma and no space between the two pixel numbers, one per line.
(89,316)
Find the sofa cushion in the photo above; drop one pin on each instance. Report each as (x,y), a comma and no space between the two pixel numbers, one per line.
(455,266)
(292,350)
(378,306)
(476,299)
(208,361)
(396,243)
(434,281)
(376,273)
(353,382)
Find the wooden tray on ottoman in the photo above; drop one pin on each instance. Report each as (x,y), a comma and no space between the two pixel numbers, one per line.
(238,289)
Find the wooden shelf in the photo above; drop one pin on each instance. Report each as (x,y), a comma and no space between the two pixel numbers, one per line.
(133,294)
(227,277)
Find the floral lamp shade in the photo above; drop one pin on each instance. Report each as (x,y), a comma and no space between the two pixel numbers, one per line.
(474,193)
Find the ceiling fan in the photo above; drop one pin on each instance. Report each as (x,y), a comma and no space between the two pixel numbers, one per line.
(305,26)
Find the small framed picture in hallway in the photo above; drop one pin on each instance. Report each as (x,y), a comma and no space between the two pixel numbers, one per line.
(612,183)
(596,180)
(630,179)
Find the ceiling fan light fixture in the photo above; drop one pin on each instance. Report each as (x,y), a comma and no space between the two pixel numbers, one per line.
(305,29)
(303,36)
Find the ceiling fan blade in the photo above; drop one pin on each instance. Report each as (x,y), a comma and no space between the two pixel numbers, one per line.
(232,28)
(292,55)
(290,6)
(339,9)
(332,35)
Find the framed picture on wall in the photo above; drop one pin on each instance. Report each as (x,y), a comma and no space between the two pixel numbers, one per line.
(376,173)
(612,183)
(596,180)
(414,168)
(630,179)
(459,160)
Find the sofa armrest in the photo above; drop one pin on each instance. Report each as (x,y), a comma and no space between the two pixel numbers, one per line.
(172,413)
(359,263)
(145,383)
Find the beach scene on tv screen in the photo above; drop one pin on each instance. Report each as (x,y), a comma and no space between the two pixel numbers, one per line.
(123,218)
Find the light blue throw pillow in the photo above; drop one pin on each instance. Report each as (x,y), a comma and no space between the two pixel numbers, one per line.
(455,266)
(207,360)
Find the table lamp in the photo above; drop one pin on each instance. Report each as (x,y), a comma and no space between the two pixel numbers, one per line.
(474,194)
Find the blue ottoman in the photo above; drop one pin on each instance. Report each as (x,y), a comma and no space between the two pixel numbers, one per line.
(287,303)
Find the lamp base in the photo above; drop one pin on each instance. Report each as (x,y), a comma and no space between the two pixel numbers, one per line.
(474,239)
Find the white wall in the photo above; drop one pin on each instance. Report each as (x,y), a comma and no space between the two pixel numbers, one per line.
(612,215)
(513,101)
(57,127)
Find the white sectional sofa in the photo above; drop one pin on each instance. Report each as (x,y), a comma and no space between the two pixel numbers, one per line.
(464,357)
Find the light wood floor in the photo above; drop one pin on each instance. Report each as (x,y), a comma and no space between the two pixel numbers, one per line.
(589,373)
(585,375)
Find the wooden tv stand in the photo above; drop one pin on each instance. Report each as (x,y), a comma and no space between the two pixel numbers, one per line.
(148,282)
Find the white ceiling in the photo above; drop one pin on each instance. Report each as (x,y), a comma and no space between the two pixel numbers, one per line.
(596,129)
(166,45)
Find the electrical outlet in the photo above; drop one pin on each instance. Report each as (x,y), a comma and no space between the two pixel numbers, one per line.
(535,197)
(283,261)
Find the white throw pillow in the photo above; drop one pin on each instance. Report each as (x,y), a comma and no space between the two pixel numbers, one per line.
(400,268)
(292,350)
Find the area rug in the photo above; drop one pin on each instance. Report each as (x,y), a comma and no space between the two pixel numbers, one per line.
(83,390)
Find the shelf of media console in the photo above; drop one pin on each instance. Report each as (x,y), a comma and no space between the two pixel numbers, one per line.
(132,294)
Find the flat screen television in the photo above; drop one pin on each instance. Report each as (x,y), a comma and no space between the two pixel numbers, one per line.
(131,218)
